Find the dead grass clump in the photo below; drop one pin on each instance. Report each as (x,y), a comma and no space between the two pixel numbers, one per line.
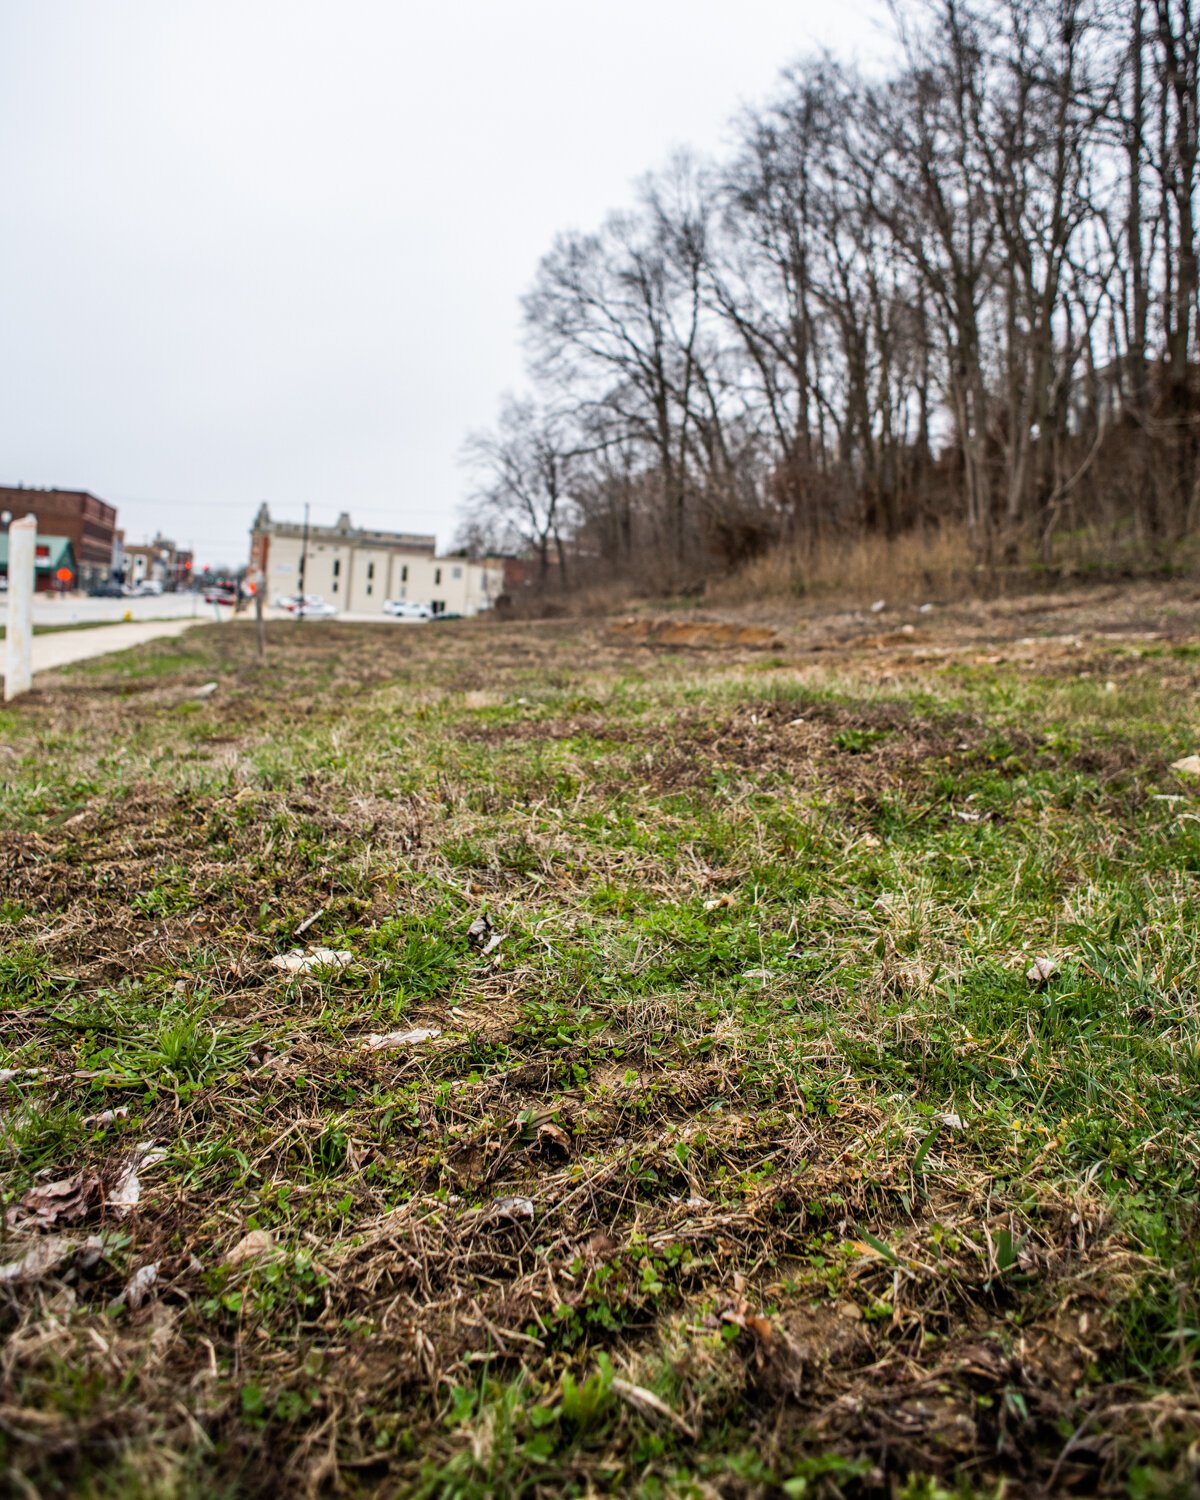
(934,563)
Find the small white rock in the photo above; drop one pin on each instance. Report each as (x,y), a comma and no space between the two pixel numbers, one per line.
(300,962)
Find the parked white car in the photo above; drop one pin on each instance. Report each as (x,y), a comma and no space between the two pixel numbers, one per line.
(407,609)
(311,606)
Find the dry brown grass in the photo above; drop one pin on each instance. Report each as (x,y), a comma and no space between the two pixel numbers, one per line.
(749,1126)
(927,564)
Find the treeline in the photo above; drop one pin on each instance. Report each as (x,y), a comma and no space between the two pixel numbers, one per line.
(962,293)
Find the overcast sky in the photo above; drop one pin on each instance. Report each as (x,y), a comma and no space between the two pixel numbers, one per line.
(273,249)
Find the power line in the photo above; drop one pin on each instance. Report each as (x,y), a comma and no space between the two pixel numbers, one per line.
(249,505)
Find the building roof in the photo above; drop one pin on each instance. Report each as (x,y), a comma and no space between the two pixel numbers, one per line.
(32,493)
(52,553)
(344,531)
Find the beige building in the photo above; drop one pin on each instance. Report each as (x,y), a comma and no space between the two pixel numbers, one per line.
(358,570)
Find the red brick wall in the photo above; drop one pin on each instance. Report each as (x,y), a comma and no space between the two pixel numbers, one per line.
(88,522)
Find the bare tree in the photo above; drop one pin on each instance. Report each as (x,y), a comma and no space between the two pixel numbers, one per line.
(524,466)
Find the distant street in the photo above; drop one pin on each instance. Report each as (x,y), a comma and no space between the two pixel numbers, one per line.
(50,609)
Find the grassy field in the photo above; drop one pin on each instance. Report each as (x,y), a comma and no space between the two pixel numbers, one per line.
(681,1120)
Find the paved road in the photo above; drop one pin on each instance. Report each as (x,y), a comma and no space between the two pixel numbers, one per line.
(49,609)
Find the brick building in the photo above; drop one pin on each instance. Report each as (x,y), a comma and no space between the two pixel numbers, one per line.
(88,523)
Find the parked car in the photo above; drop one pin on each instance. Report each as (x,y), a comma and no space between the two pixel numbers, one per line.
(407,609)
(106,591)
(448,614)
(310,606)
(220,594)
(149,586)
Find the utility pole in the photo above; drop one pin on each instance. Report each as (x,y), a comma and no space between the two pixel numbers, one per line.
(260,629)
(303,561)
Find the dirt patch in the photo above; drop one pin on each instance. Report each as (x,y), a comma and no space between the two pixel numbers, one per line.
(702,634)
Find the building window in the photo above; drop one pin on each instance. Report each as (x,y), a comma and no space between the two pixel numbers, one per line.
(370,590)
(456,573)
(370,573)
(437,577)
(335,585)
(337,567)
(404,573)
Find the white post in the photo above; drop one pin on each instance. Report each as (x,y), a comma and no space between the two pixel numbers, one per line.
(22,560)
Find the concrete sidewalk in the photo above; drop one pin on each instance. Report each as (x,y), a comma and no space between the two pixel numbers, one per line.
(66,646)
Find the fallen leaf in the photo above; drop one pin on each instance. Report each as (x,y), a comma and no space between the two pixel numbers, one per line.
(62,1202)
(480,931)
(1041,970)
(761,1328)
(1189,765)
(508,1210)
(492,943)
(137,1288)
(716,901)
(600,1244)
(45,1257)
(250,1247)
(879,606)
(106,1117)
(10,1075)
(550,1134)
(127,1193)
(951,1120)
(300,962)
(377,1043)
(205,691)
